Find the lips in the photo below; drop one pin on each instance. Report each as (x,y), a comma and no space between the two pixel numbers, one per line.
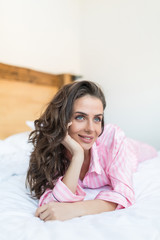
(86,139)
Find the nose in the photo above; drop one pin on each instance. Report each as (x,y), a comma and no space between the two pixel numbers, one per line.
(89,126)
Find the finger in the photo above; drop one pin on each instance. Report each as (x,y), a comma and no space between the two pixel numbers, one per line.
(44,215)
(48,218)
(40,210)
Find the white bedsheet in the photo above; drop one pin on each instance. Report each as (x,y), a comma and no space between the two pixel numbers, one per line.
(17,221)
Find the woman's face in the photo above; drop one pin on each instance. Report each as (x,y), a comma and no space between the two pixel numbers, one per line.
(86,121)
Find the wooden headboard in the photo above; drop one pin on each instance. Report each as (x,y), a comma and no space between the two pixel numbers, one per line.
(23,95)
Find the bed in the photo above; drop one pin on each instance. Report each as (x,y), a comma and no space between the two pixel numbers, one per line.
(17,221)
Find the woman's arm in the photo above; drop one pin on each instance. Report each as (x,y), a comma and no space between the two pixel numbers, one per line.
(71,176)
(65,211)
(67,188)
(70,179)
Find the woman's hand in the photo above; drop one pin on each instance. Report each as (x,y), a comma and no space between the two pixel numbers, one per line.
(70,144)
(55,211)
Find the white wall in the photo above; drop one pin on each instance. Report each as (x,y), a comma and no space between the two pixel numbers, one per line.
(42,34)
(115,43)
(120,49)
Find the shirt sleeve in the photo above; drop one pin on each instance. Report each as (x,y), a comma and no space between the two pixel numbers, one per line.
(61,193)
(122,164)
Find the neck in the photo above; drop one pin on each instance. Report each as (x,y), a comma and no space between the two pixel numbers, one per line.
(85,165)
(87,156)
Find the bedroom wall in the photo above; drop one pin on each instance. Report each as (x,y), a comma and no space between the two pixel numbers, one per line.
(115,43)
(43,35)
(120,49)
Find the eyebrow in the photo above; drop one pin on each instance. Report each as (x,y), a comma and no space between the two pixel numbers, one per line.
(97,115)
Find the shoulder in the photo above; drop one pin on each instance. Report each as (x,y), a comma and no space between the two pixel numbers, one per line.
(111,134)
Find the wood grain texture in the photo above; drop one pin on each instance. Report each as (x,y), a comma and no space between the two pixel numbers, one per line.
(24,95)
(15,73)
(20,102)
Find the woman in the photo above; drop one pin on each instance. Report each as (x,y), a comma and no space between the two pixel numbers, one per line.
(73,150)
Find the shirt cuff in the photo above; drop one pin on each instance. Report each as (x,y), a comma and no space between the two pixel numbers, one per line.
(112,196)
(46,197)
(63,194)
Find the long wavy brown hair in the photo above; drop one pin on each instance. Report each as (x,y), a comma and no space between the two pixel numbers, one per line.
(49,161)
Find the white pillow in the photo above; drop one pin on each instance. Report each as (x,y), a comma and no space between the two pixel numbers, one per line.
(14,155)
(15,142)
(30,124)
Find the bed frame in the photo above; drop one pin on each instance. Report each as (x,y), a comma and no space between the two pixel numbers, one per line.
(23,95)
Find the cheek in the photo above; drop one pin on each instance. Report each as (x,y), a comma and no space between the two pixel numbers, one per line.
(74,128)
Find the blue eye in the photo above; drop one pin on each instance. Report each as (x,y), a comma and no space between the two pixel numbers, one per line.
(97,119)
(79,117)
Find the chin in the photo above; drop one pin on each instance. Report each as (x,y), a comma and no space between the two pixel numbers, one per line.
(86,148)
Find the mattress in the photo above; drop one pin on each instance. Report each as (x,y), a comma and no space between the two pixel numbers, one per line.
(17,208)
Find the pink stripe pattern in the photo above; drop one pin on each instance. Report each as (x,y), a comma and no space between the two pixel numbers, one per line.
(114,159)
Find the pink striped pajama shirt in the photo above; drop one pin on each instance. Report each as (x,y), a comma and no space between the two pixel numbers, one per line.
(114,159)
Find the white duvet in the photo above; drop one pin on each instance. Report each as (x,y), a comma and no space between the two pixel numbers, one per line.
(17,221)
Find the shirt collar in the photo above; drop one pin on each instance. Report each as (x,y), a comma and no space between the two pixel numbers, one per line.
(94,163)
